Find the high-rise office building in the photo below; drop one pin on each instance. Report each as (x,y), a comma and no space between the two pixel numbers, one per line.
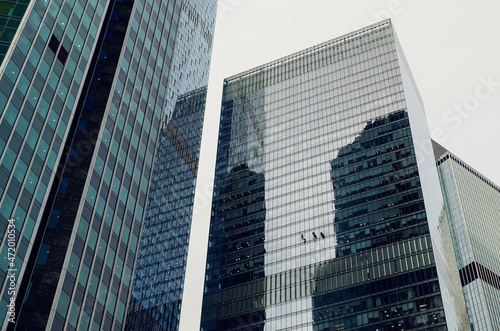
(473,206)
(83,88)
(161,264)
(193,50)
(158,282)
(327,212)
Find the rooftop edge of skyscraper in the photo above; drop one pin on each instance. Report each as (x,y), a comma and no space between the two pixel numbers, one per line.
(442,154)
(282,60)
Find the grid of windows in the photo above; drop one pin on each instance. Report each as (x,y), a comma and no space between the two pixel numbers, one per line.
(192,53)
(37,98)
(379,203)
(163,246)
(11,13)
(311,59)
(71,177)
(83,89)
(319,219)
(161,262)
(473,206)
(97,275)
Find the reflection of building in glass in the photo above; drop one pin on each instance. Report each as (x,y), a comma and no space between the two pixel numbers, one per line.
(237,257)
(236,248)
(354,235)
(161,263)
(192,51)
(473,206)
(158,284)
(83,87)
(384,272)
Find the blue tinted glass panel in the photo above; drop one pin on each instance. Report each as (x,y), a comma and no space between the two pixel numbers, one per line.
(54,217)
(73,154)
(81,127)
(89,101)
(102,55)
(96,77)
(64,185)
(109,33)
(44,252)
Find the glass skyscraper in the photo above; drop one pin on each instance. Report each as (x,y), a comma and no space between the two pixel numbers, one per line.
(161,264)
(158,282)
(473,206)
(83,88)
(327,212)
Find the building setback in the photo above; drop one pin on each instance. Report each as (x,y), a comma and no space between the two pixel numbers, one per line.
(327,212)
(83,88)
(473,206)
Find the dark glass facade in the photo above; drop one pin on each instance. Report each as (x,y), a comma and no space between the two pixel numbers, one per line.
(161,263)
(473,206)
(82,93)
(242,216)
(382,233)
(158,284)
(327,212)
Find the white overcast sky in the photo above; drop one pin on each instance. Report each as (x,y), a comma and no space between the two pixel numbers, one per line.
(452,48)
